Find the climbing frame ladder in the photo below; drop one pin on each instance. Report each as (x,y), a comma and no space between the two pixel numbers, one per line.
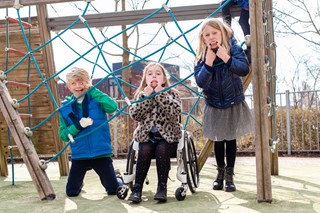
(28,153)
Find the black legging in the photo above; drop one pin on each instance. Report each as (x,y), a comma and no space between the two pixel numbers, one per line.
(228,148)
(243,20)
(161,151)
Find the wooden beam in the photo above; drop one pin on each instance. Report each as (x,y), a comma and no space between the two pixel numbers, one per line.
(271,50)
(247,79)
(205,152)
(184,13)
(261,139)
(50,71)
(26,149)
(10,3)
(3,160)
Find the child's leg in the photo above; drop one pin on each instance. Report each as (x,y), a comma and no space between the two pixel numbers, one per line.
(145,154)
(231,152)
(75,179)
(219,152)
(164,151)
(226,15)
(104,168)
(244,22)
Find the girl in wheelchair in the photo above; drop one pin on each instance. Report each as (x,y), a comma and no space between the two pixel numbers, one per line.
(158,130)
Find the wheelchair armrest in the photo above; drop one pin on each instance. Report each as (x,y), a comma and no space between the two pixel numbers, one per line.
(135,145)
(181,140)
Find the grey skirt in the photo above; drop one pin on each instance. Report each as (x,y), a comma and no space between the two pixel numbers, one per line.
(227,124)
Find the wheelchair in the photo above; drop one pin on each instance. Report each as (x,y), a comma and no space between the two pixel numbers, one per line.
(187,168)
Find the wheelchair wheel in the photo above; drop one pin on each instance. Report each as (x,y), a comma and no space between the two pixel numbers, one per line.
(190,163)
(122,192)
(180,194)
(194,164)
(131,161)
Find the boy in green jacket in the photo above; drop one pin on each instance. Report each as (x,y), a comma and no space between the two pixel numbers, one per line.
(84,118)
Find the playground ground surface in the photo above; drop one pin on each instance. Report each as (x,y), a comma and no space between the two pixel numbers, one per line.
(295,189)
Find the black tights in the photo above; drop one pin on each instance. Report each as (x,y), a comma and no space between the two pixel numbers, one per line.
(228,148)
(243,20)
(161,151)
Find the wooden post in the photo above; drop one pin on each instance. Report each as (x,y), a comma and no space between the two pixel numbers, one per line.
(50,70)
(271,49)
(247,79)
(205,153)
(3,161)
(26,148)
(263,170)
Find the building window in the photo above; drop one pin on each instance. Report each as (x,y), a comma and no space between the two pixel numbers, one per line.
(113,88)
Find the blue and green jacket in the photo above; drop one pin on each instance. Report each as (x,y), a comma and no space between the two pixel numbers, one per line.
(95,140)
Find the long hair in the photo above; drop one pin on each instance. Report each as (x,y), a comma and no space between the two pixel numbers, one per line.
(143,82)
(226,33)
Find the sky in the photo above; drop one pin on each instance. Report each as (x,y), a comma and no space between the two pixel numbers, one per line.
(63,55)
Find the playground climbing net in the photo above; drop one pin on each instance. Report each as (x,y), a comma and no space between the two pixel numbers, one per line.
(99,61)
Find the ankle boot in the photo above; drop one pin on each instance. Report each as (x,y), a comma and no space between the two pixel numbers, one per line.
(218,183)
(136,194)
(161,194)
(229,187)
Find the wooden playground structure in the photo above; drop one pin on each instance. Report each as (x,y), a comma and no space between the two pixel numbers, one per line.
(263,85)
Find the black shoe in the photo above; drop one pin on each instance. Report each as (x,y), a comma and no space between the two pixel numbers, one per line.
(161,194)
(229,187)
(136,194)
(218,183)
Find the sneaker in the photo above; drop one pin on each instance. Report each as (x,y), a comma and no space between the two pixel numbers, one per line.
(247,39)
(119,177)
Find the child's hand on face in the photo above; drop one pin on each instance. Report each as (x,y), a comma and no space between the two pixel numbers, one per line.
(222,53)
(148,90)
(158,88)
(211,53)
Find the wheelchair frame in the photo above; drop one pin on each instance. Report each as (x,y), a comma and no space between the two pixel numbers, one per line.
(187,168)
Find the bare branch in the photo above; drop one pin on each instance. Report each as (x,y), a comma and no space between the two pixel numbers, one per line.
(92,44)
(299,20)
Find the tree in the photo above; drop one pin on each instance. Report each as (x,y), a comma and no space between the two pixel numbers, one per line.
(301,19)
(131,39)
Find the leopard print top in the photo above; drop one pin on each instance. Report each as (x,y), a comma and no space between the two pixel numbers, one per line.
(162,111)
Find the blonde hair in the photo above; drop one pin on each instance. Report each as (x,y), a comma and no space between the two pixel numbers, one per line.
(143,82)
(226,33)
(78,74)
